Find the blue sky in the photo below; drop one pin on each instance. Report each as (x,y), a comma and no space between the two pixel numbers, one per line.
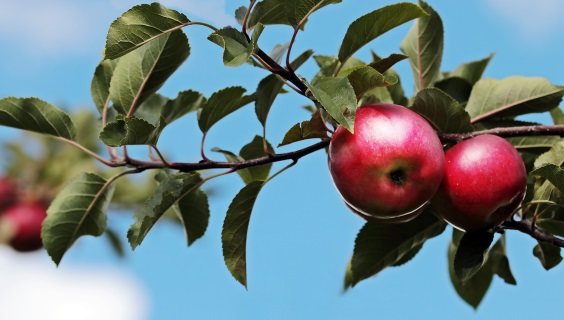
(301,235)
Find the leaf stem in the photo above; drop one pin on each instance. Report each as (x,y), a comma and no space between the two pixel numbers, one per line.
(540,130)
(75,144)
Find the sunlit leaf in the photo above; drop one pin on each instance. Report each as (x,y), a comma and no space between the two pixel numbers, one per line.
(100,86)
(552,173)
(140,25)
(237,49)
(337,97)
(142,72)
(131,131)
(79,209)
(424,47)
(297,10)
(36,115)
(511,97)
(367,78)
(268,12)
(376,23)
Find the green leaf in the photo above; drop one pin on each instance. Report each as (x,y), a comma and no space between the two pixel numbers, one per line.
(150,110)
(100,86)
(557,115)
(142,72)
(455,87)
(552,220)
(532,143)
(131,131)
(385,64)
(511,97)
(36,115)
(219,105)
(473,290)
(115,242)
(379,246)
(337,97)
(297,10)
(268,12)
(269,88)
(252,150)
(471,71)
(237,49)
(169,191)
(497,259)
(194,214)
(140,25)
(552,173)
(235,227)
(443,112)
(470,255)
(79,209)
(240,14)
(376,23)
(186,102)
(408,256)
(348,280)
(424,47)
(367,78)
(555,155)
(311,129)
(376,95)
(396,91)
(548,254)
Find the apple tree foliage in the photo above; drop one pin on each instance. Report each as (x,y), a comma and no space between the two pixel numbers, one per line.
(147,44)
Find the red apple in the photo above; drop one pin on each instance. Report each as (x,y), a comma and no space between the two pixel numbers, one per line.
(24,220)
(484,183)
(8,193)
(392,164)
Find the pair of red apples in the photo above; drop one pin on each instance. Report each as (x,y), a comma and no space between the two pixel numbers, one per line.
(20,220)
(394,165)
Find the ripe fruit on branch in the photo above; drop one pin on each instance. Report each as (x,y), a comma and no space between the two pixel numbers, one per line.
(24,220)
(392,164)
(8,193)
(484,183)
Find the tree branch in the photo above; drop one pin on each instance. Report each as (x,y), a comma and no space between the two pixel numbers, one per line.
(208,164)
(527,227)
(556,130)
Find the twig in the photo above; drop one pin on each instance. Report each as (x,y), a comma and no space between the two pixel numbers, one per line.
(556,130)
(527,227)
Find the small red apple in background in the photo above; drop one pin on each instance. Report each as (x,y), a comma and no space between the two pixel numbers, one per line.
(24,222)
(392,164)
(484,183)
(8,193)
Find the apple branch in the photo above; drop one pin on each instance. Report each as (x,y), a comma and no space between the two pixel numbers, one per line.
(527,227)
(540,130)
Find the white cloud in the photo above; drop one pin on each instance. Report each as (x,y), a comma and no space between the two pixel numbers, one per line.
(33,288)
(535,20)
